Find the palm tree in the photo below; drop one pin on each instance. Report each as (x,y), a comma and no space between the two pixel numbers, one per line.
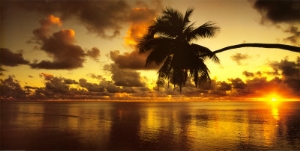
(169,41)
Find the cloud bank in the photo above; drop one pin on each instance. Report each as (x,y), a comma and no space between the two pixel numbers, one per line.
(128,84)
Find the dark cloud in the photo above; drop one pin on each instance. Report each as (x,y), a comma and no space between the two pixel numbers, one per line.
(258,73)
(69,81)
(94,53)
(104,18)
(10,88)
(278,11)
(65,55)
(110,87)
(30,87)
(94,76)
(248,74)
(290,71)
(60,46)
(9,58)
(125,77)
(128,84)
(288,68)
(255,74)
(237,83)
(91,87)
(46,76)
(132,60)
(238,57)
(281,12)
(295,34)
(57,85)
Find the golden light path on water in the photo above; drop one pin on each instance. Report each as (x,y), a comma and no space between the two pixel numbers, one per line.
(275,100)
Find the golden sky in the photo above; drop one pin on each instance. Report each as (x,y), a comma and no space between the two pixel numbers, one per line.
(51,48)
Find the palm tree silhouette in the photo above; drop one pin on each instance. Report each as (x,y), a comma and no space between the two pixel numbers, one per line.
(169,41)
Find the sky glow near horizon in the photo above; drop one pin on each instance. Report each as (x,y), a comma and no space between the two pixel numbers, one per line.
(90,44)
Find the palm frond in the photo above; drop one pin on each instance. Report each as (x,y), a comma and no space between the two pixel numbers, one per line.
(206,30)
(204,52)
(187,15)
(166,68)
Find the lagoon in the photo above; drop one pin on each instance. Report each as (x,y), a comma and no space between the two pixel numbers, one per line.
(238,125)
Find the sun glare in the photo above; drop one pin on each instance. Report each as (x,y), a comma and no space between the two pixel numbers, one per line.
(273,98)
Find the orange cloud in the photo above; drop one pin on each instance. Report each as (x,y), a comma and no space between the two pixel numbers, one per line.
(44,30)
(135,32)
(54,20)
(140,18)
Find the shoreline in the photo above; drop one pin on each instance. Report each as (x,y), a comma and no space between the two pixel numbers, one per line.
(162,100)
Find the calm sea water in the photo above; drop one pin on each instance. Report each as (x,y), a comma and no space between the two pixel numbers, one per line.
(180,126)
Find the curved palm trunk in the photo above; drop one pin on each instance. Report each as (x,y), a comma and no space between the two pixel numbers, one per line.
(261,45)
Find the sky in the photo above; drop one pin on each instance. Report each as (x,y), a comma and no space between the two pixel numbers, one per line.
(86,49)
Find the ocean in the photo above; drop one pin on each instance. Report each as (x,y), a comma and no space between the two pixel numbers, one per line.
(238,125)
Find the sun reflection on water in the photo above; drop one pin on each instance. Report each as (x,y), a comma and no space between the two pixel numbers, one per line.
(275,113)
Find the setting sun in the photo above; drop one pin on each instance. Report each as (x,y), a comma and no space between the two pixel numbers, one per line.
(273,98)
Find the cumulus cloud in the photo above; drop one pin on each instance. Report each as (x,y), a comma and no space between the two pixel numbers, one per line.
(10,87)
(60,46)
(128,84)
(288,68)
(9,58)
(125,77)
(91,87)
(60,87)
(290,72)
(57,85)
(238,57)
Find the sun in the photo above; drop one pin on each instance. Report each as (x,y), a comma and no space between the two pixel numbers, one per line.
(273,98)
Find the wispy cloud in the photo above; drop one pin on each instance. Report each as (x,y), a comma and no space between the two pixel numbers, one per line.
(238,57)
